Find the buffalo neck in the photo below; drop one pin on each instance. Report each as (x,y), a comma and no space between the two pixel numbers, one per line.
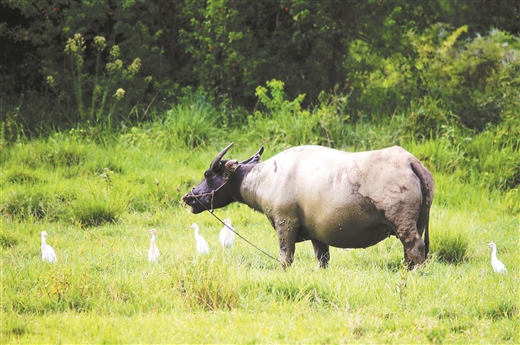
(251,186)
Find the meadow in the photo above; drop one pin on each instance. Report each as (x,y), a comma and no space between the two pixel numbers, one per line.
(97,193)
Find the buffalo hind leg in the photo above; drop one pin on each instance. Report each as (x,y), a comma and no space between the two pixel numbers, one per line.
(321,250)
(414,246)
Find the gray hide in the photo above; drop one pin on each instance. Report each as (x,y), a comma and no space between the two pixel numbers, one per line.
(340,199)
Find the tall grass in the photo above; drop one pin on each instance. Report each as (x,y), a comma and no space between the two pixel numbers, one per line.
(96,199)
(190,125)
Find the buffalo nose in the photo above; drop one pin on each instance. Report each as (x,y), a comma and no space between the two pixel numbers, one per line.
(187,196)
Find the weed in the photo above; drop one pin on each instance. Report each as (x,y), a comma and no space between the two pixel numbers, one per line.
(35,204)
(436,335)
(22,177)
(208,286)
(450,247)
(93,211)
(189,125)
(8,240)
(504,309)
(285,122)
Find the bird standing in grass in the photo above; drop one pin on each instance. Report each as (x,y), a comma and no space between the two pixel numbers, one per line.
(202,245)
(48,253)
(227,234)
(498,266)
(153,253)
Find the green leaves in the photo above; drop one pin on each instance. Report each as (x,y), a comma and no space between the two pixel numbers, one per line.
(277,102)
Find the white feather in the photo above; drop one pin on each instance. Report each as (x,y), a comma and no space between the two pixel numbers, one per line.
(202,245)
(48,253)
(227,234)
(497,265)
(153,253)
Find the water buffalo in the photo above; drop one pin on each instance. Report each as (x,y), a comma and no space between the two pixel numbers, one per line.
(331,197)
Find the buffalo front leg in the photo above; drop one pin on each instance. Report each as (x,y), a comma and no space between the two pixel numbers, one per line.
(287,249)
(321,250)
(287,244)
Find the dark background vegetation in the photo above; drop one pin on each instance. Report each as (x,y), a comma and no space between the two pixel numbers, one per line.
(300,71)
(229,47)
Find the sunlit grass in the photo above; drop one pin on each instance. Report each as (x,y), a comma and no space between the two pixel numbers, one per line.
(103,289)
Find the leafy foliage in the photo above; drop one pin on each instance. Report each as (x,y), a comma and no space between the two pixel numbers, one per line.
(64,60)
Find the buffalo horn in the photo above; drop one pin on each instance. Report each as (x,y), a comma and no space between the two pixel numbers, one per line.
(257,154)
(215,164)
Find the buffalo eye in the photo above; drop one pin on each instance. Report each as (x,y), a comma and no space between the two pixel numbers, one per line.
(206,174)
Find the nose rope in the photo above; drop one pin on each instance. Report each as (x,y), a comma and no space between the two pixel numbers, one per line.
(196,197)
(212,193)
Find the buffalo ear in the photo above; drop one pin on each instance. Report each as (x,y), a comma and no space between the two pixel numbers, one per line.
(229,168)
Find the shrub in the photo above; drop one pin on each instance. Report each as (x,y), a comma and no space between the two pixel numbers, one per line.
(476,79)
(22,177)
(7,240)
(101,206)
(450,247)
(98,96)
(192,122)
(285,121)
(206,285)
(34,204)
(495,155)
(92,212)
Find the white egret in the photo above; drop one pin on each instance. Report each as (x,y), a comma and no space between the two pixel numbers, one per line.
(498,266)
(227,234)
(202,245)
(153,253)
(48,253)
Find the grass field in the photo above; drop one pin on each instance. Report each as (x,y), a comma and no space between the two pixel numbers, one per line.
(97,201)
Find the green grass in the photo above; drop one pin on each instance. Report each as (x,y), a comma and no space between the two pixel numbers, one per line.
(96,200)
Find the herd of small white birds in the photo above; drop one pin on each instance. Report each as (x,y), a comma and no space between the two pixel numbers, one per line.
(226,236)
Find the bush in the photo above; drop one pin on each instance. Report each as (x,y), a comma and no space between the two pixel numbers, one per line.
(192,122)
(450,247)
(476,79)
(495,153)
(206,285)
(36,204)
(92,212)
(7,240)
(103,204)
(283,122)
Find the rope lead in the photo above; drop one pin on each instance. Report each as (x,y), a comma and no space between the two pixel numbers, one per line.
(214,215)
